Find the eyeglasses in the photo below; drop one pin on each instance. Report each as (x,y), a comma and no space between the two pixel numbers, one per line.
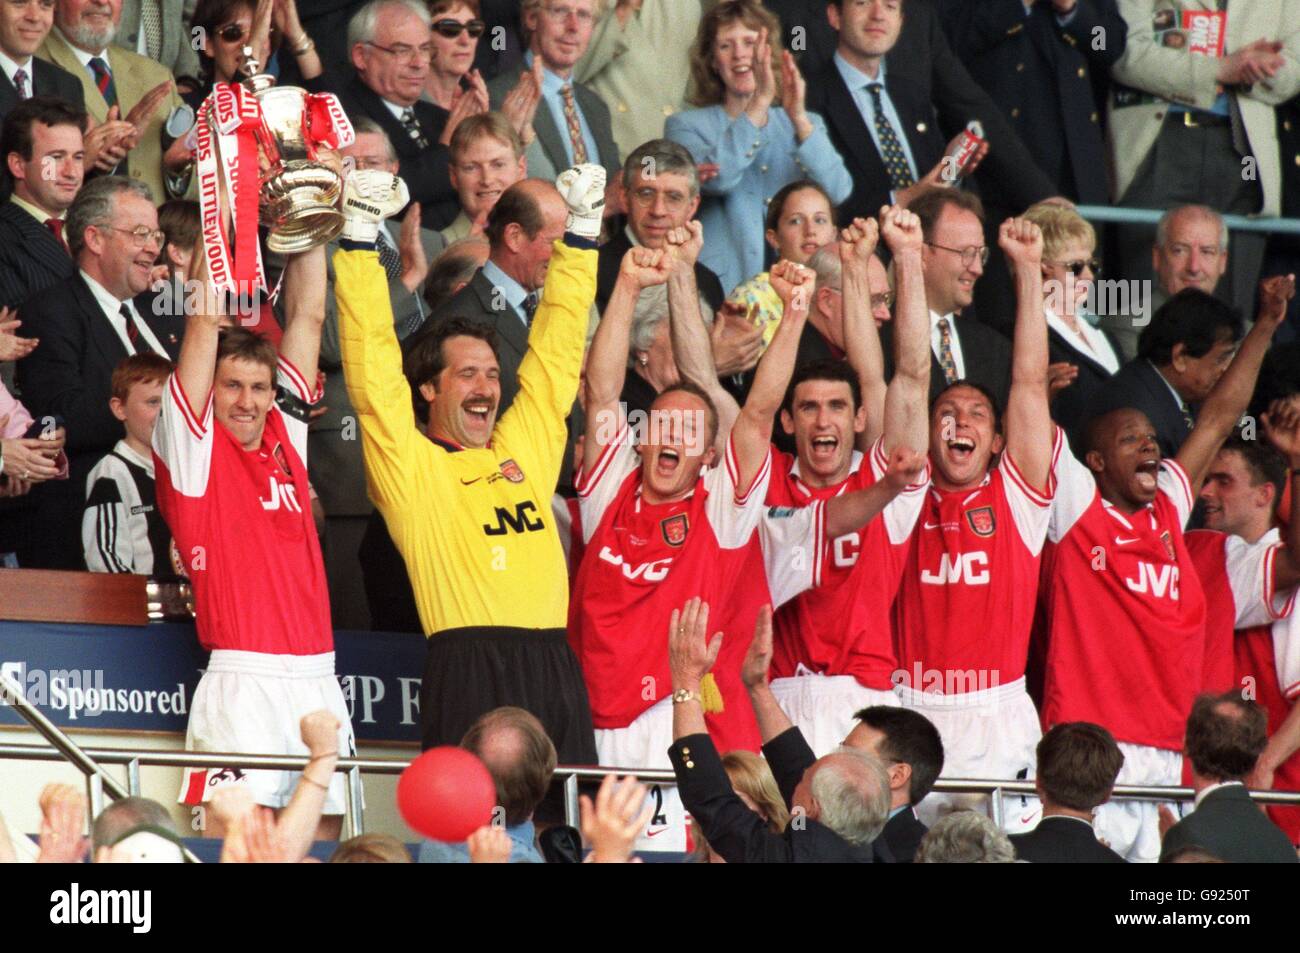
(141,234)
(673,201)
(403,52)
(883,300)
(563,13)
(453,28)
(233,32)
(968,255)
(1075,267)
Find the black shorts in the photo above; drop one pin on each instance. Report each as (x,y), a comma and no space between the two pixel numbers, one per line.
(470,671)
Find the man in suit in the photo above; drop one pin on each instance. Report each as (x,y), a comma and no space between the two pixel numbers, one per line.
(390,48)
(158,29)
(572,122)
(86,326)
(42,147)
(839,803)
(1181,355)
(663,192)
(1172,99)
(1225,737)
(121,83)
(894,150)
(1078,763)
(337,467)
(24,24)
(912,752)
(1040,64)
(952,261)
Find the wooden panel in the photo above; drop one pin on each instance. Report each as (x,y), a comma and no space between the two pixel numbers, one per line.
(42,595)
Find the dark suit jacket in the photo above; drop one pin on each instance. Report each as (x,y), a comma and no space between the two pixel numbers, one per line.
(553,136)
(1070,409)
(738,834)
(610,258)
(1042,76)
(1063,840)
(69,375)
(424,170)
(46,80)
(1138,384)
(902,835)
(985,353)
(164,311)
(935,98)
(31,258)
(1229,825)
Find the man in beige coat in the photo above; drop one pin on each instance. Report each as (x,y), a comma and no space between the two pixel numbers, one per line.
(1192,122)
(81,43)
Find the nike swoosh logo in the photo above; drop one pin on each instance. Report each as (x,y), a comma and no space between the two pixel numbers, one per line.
(932,525)
(465,482)
(655,833)
(1124,542)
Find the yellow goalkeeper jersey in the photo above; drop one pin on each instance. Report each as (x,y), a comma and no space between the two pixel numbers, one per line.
(474,526)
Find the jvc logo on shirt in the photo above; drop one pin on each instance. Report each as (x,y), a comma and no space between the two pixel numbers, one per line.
(519,521)
(1156,580)
(74,906)
(969,568)
(656,571)
(283,496)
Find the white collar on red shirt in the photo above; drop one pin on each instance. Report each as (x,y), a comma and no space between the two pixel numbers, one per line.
(855,463)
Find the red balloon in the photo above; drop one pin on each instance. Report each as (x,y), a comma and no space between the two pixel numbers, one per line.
(446,794)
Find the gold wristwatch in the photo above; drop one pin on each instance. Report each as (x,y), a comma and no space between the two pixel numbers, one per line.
(683,695)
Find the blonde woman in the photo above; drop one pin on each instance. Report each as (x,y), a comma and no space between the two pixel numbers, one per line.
(753,126)
(1084,357)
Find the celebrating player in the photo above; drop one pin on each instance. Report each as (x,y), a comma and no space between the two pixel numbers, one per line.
(660,522)
(230,449)
(834,652)
(965,608)
(1250,578)
(469,507)
(1123,607)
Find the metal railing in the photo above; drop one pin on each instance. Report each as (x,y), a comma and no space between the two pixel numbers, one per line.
(1147,216)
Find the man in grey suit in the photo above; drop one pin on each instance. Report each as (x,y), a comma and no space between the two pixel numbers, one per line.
(337,469)
(157,29)
(572,123)
(1225,736)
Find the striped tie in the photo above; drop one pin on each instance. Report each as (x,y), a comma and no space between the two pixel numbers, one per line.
(946,360)
(20,81)
(104,81)
(575,127)
(900,173)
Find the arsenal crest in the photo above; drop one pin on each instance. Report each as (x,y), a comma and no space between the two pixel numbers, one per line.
(1167,538)
(510,470)
(981,521)
(674,529)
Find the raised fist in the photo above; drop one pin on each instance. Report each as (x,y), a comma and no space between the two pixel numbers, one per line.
(369,197)
(583,191)
(901,229)
(1022,242)
(793,283)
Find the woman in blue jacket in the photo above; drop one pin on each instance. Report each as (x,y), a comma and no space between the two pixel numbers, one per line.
(755,131)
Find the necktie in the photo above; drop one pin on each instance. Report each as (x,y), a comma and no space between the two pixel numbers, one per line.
(132,332)
(530,307)
(20,82)
(900,174)
(946,360)
(55,225)
(104,81)
(388,256)
(413,129)
(151,23)
(576,139)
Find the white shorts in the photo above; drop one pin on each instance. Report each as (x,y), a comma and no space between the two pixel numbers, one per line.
(1132,828)
(644,744)
(993,733)
(822,706)
(251,703)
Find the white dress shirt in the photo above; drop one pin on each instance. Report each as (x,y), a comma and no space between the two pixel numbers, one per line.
(12,66)
(1087,340)
(954,341)
(113,311)
(84,58)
